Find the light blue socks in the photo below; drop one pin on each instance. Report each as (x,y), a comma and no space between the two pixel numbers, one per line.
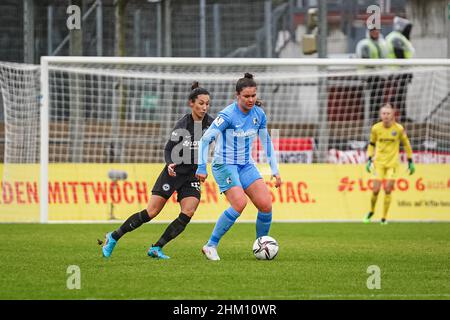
(263,222)
(223,224)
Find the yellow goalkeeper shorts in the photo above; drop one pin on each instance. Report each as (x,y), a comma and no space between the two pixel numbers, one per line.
(382,172)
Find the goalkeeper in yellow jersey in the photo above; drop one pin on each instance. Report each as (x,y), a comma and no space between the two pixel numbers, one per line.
(383,152)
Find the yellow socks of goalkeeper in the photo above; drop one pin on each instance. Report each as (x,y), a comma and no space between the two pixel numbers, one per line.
(373,202)
(387,203)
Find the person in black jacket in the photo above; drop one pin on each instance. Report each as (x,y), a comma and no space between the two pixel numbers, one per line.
(180,155)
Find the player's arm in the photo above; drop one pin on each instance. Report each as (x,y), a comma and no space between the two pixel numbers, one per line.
(371,149)
(407,146)
(219,124)
(267,145)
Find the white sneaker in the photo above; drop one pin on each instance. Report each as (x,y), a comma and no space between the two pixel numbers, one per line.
(210,253)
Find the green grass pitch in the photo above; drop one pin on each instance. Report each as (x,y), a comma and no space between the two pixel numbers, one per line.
(315,261)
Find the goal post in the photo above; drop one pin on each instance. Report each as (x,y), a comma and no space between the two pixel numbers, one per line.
(44,149)
(104,113)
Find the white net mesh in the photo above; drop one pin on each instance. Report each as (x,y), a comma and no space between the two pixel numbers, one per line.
(20,142)
(20,94)
(123,113)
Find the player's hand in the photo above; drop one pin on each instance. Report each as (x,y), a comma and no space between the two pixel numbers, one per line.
(369,166)
(411,167)
(171,170)
(201,177)
(277,180)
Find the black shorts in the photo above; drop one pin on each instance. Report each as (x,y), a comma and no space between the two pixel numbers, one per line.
(184,185)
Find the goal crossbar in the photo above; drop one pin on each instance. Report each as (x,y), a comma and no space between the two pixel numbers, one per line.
(247,61)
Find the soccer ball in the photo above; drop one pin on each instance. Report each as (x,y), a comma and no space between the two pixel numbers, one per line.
(265,248)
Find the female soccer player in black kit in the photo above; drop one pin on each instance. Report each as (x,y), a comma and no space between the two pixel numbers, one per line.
(180,155)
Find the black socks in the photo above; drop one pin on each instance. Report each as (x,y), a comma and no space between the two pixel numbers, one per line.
(174,229)
(133,222)
(136,220)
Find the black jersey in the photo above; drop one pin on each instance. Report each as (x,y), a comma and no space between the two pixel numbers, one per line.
(182,147)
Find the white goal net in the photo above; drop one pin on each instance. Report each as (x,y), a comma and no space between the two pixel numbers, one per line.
(121,110)
(19,85)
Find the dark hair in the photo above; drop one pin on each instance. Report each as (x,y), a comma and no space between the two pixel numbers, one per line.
(196,91)
(246,81)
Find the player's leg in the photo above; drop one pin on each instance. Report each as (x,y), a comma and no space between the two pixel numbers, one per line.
(259,194)
(373,199)
(227,178)
(189,198)
(156,204)
(390,177)
(387,200)
(177,226)
(379,173)
(238,200)
(133,222)
(162,190)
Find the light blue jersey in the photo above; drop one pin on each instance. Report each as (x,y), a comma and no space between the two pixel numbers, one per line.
(234,132)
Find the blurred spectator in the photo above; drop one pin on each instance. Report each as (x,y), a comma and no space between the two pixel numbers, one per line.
(373,47)
(399,47)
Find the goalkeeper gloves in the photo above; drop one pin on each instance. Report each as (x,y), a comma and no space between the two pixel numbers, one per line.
(411,167)
(369,165)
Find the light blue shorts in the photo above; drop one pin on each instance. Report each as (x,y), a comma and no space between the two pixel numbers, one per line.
(231,175)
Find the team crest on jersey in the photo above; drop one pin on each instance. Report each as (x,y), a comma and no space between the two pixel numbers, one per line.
(255,121)
(166,187)
(394,133)
(218,121)
(229,180)
(196,185)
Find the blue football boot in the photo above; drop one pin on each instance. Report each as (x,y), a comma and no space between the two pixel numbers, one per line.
(108,245)
(156,252)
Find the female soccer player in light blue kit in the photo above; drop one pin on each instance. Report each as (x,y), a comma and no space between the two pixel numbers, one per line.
(234,130)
